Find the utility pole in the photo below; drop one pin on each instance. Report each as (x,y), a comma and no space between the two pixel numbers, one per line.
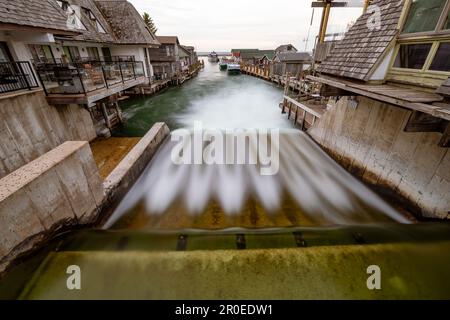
(327,4)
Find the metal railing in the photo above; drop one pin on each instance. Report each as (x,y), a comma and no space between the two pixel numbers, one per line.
(85,77)
(17,75)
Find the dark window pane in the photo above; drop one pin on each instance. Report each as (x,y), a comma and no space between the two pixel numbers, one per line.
(424,15)
(412,56)
(441,61)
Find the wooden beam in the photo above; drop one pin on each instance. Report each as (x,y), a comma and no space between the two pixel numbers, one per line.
(422,122)
(366,6)
(329,91)
(324,21)
(437,111)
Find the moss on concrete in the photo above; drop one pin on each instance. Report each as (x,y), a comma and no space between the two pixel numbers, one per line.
(410,271)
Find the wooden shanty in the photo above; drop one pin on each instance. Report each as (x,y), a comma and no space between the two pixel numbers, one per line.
(166,59)
(381,101)
(292,63)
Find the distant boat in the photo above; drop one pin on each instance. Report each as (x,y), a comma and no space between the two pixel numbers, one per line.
(213,57)
(233,68)
(223,66)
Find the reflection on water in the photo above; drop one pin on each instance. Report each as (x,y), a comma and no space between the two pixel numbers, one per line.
(214,98)
(309,189)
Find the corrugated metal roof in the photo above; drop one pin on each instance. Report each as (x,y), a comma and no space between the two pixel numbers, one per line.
(357,54)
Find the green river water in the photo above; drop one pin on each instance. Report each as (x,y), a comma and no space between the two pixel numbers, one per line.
(294,251)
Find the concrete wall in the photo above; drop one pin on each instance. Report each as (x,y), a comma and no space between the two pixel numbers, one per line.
(127,172)
(30,127)
(60,188)
(369,141)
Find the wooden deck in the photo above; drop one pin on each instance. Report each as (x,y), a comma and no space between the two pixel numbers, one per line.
(93,96)
(404,97)
(304,112)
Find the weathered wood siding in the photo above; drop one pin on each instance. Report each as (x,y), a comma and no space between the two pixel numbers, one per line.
(369,141)
(30,127)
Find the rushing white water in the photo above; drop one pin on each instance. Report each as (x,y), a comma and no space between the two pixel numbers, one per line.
(321,188)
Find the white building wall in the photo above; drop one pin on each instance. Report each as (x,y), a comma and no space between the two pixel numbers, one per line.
(18,42)
(136,51)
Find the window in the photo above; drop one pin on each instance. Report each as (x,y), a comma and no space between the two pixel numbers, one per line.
(412,56)
(5,55)
(63,4)
(90,15)
(441,61)
(93,53)
(73,18)
(71,53)
(106,54)
(424,15)
(41,53)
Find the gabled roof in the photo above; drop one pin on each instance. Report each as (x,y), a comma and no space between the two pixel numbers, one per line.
(270,54)
(183,53)
(168,39)
(243,50)
(34,13)
(126,23)
(92,34)
(358,53)
(286,47)
(291,56)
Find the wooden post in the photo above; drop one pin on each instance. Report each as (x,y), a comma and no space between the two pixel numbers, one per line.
(303,120)
(105,115)
(324,21)
(119,112)
(366,5)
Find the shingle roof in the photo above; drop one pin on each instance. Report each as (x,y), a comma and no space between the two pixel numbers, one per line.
(34,13)
(286,47)
(183,53)
(356,55)
(168,39)
(268,53)
(293,56)
(243,50)
(126,23)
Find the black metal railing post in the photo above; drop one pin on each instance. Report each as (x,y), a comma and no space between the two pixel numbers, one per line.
(42,83)
(121,73)
(104,77)
(81,80)
(134,72)
(17,75)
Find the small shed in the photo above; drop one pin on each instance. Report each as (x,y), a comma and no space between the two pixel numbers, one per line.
(291,62)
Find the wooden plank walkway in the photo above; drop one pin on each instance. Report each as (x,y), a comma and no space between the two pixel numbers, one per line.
(400,96)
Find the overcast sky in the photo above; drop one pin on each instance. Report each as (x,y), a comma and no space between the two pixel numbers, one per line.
(221,25)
